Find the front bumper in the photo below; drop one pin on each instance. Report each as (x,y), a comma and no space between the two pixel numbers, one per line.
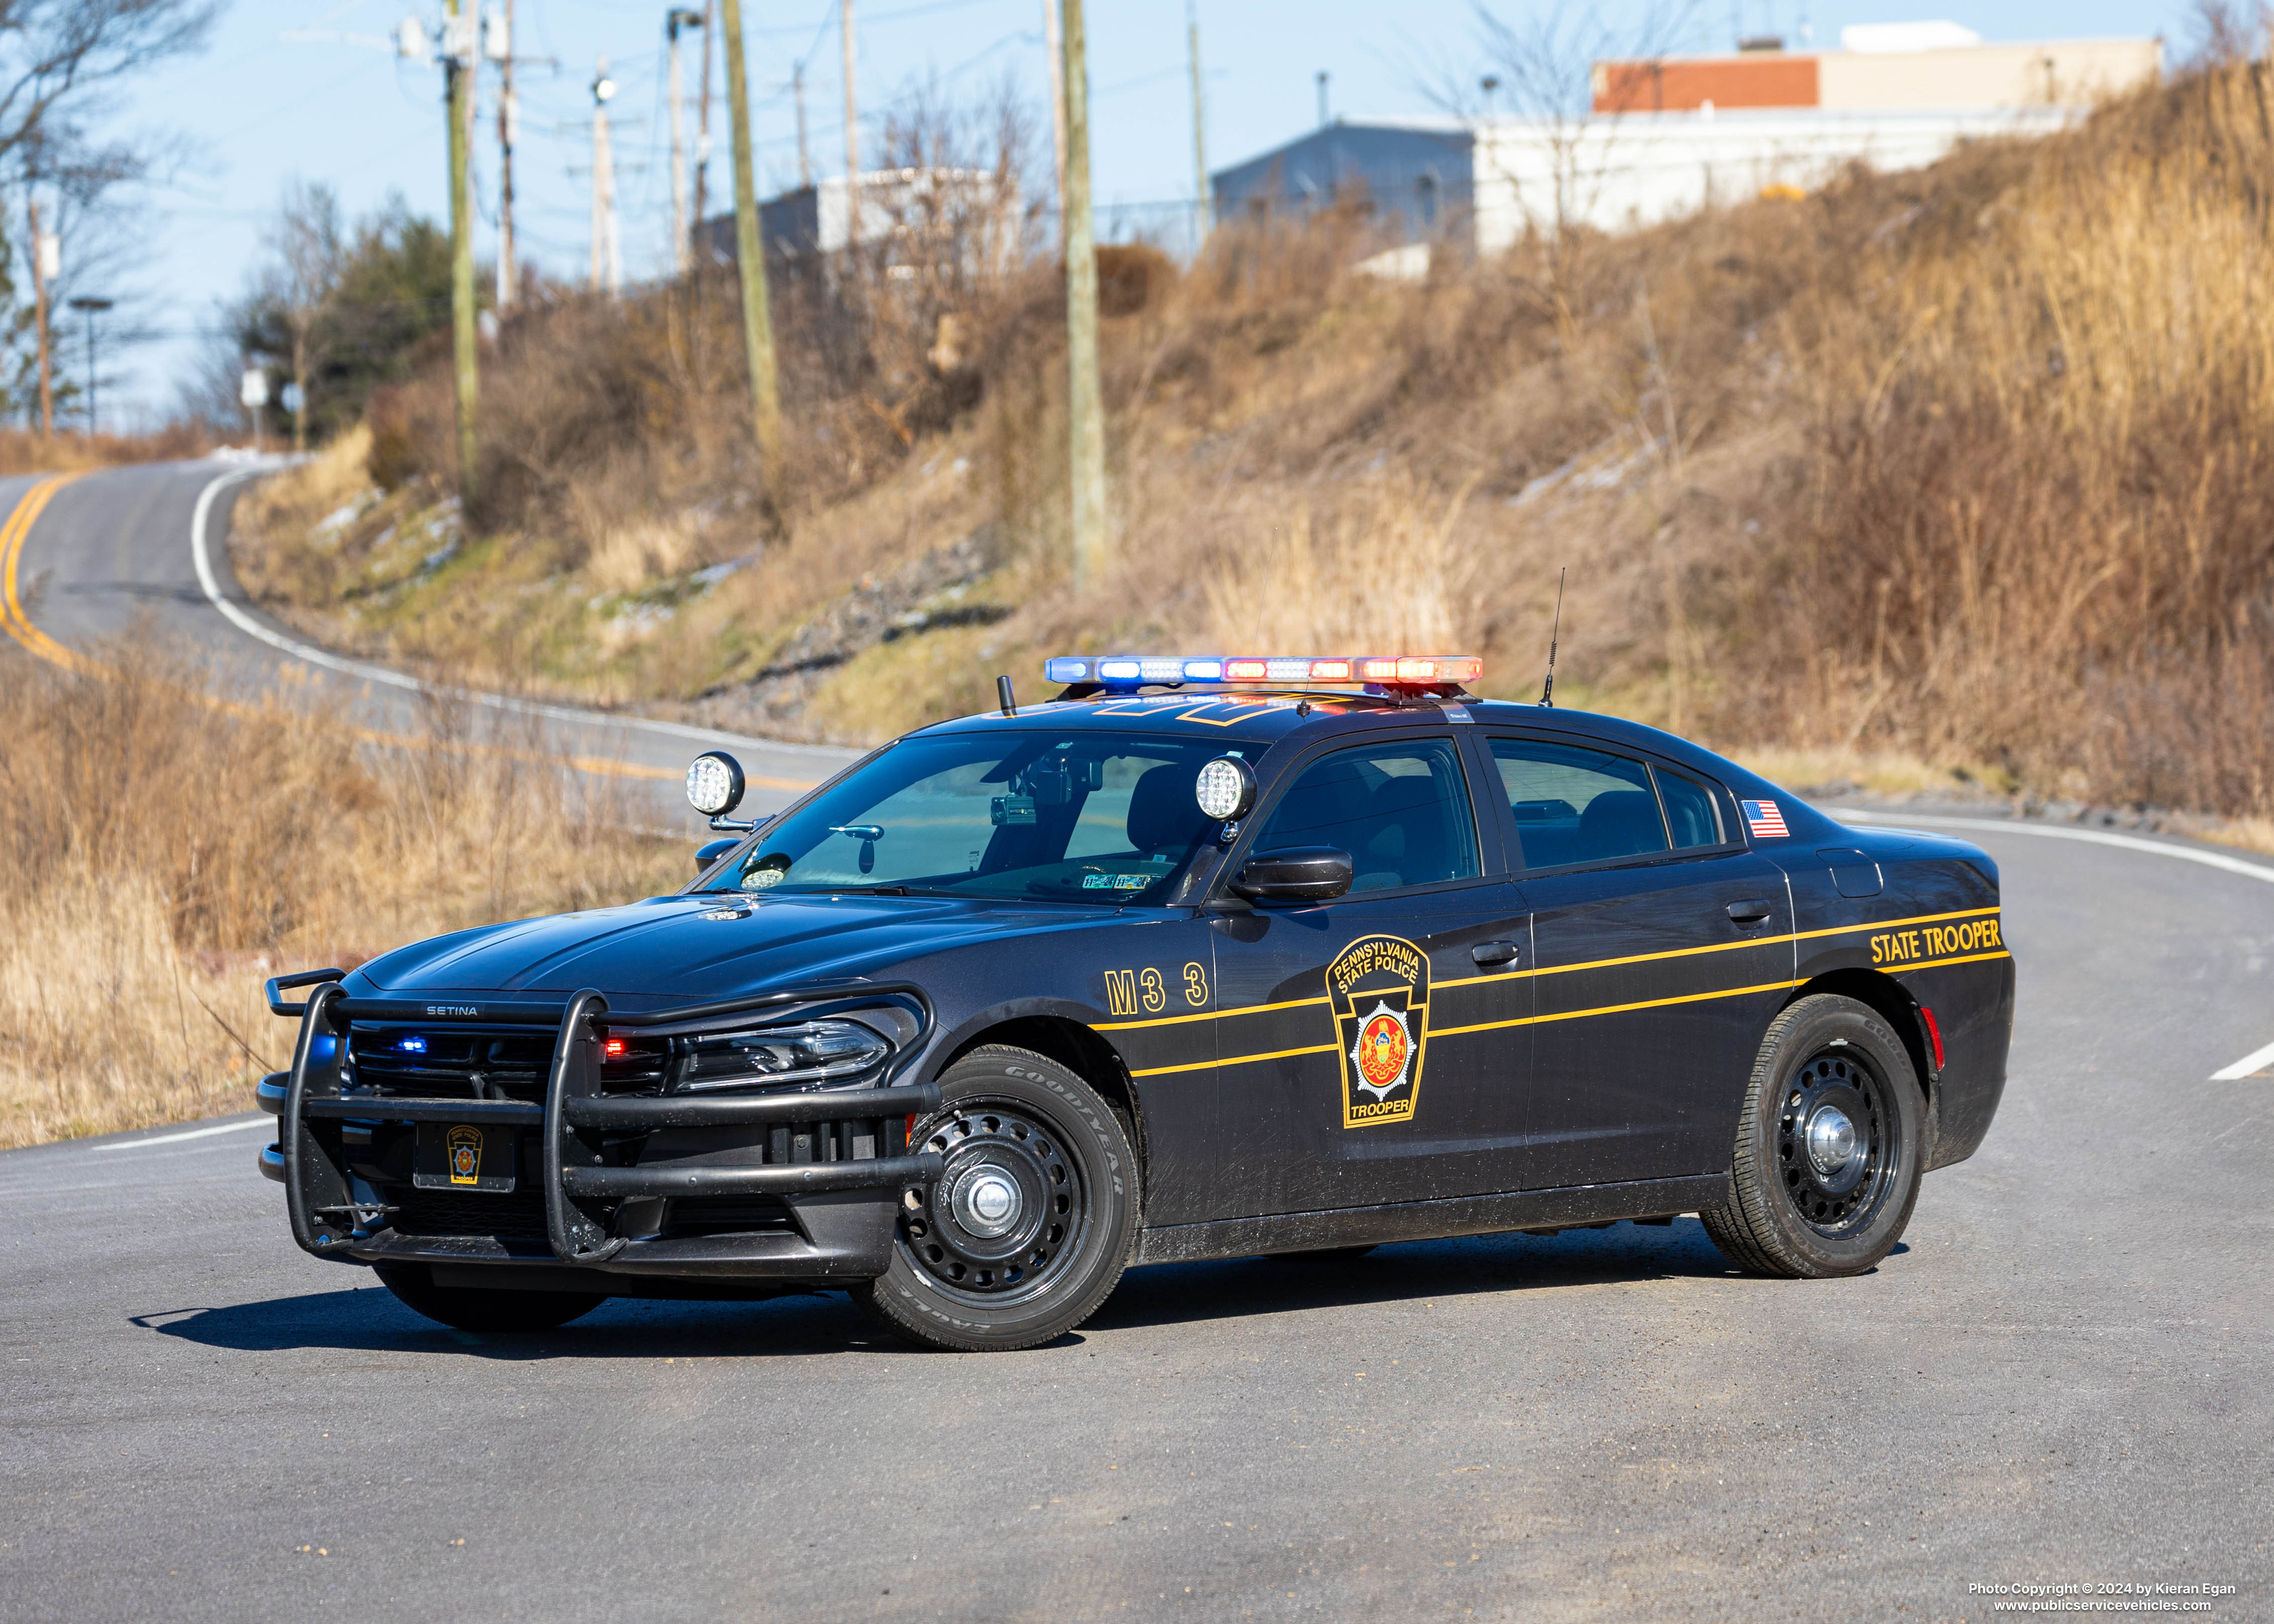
(608,1170)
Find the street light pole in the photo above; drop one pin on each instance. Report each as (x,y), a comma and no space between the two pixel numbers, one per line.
(94,307)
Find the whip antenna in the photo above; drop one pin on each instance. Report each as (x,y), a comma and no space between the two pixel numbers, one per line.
(1547,692)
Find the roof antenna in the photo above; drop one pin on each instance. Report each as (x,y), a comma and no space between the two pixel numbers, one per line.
(1547,692)
(1004,698)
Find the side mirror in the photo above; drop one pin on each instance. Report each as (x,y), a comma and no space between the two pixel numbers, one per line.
(1294,874)
(712,850)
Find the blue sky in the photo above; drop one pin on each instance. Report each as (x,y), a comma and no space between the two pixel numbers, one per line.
(258,107)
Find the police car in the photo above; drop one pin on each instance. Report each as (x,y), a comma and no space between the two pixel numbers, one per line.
(1208,957)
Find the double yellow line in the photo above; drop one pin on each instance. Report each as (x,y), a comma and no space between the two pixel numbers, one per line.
(13,620)
(18,626)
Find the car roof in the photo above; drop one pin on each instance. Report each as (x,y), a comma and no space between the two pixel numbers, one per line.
(1255,716)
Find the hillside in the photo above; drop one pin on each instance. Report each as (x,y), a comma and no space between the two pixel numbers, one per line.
(1957,472)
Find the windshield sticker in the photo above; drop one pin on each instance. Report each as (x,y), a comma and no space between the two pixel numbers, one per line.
(1117,882)
(1378,988)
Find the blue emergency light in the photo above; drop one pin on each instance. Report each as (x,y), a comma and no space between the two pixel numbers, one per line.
(1119,671)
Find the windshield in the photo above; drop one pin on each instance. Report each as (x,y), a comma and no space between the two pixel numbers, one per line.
(1094,817)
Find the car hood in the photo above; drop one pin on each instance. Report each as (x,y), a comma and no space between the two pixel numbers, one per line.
(690,949)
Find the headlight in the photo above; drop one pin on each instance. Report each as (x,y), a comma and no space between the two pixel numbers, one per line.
(810,1054)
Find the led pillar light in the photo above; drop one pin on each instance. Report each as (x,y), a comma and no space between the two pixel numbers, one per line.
(1225,789)
(714,784)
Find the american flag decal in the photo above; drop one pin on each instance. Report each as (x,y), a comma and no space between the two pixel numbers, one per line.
(1763,818)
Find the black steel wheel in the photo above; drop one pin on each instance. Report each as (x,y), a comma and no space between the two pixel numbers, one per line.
(1026,1230)
(413,1285)
(1826,1169)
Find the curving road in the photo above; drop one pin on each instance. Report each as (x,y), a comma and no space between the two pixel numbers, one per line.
(2061,1376)
(118,550)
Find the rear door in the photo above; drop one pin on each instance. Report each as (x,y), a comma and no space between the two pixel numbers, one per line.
(1338,1085)
(1662,948)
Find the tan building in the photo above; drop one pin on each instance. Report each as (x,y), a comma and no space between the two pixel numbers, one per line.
(1900,69)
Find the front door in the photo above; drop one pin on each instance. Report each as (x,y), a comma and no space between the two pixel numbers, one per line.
(1372,1049)
(1664,949)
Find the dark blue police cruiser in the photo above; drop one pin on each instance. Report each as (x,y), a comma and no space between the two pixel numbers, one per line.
(1207,957)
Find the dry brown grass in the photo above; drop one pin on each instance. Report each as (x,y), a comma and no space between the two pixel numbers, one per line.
(170,850)
(22,453)
(1963,467)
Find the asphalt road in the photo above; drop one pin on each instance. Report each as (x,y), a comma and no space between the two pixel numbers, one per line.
(2061,1376)
(111,554)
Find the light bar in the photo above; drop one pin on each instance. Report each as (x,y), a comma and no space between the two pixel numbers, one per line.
(1117,671)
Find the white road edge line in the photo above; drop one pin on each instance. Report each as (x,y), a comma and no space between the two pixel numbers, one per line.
(2257,1061)
(194,1133)
(2130,843)
(202,556)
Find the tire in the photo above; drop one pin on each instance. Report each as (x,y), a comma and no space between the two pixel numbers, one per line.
(1323,1254)
(1806,1201)
(1071,1211)
(468,1310)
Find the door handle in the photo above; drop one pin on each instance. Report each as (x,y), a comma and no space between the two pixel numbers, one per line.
(1495,952)
(1751,911)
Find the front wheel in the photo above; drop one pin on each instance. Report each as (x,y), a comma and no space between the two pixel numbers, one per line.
(1829,1148)
(413,1285)
(1025,1231)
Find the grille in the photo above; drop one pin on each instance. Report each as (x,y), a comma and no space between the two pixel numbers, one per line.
(517,1216)
(461,1065)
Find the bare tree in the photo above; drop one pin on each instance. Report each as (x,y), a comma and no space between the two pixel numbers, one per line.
(54,50)
(304,281)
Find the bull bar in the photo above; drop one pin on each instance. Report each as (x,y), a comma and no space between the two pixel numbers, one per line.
(328,1221)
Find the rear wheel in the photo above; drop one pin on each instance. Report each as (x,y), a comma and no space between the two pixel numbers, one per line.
(1828,1161)
(1026,1230)
(413,1285)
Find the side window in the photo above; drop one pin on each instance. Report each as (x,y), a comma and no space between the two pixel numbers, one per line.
(1401,810)
(1690,814)
(1574,805)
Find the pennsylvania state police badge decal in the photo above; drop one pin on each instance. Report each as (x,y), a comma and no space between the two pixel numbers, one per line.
(1379,989)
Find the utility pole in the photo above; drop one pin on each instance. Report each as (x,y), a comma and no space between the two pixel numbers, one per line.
(1322,98)
(1056,47)
(608,254)
(1084,408)
(459,56)
(1203,203)
(94,307)
(852,134)
(47,265)
(702,122)
(500,51)
(674,21)
(758,317)
(797,92)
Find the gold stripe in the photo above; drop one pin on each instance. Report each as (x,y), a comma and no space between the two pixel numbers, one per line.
(1202,1065)
(1591,964)
(1890,924)
(1611,1009)
(1714,947)
(1930,964)
(1178,1020)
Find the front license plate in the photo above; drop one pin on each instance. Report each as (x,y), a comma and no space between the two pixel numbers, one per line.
(461,1156)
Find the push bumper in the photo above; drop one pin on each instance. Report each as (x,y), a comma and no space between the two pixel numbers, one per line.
(607,1165)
